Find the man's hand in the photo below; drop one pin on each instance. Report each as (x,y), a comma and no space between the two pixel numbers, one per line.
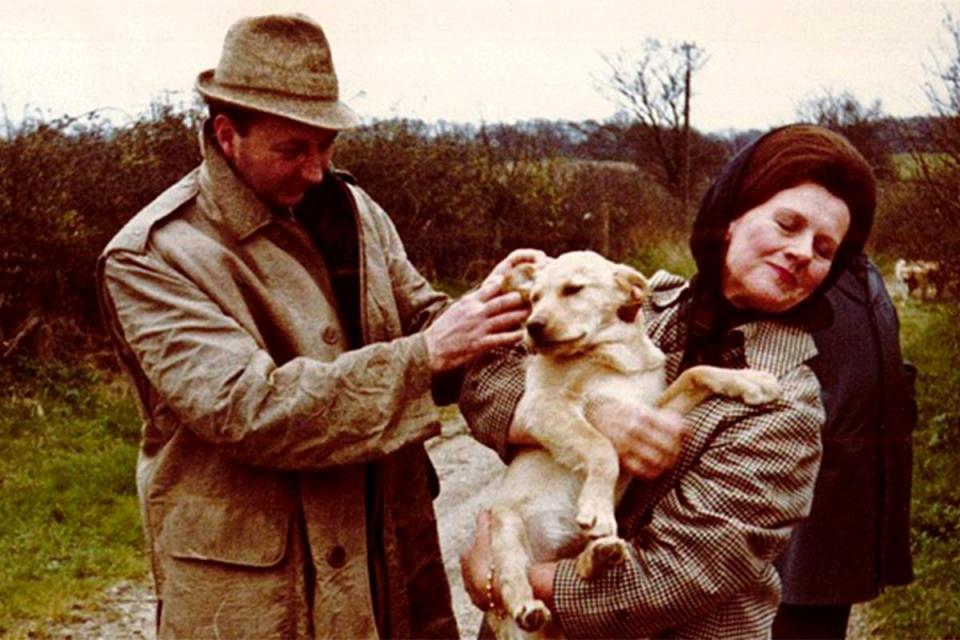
(647,440)
(481,320)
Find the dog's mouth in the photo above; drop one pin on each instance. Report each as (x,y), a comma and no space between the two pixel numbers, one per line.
(544,344)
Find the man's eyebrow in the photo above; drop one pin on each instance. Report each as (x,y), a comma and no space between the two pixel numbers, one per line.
(294,143)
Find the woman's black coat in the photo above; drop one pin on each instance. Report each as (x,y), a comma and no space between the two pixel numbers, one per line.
(856,540)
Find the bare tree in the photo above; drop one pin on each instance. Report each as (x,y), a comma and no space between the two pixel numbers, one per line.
(655,88)
(932,210)
(863,125)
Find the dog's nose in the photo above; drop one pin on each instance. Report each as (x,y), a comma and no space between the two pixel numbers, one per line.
(537,330)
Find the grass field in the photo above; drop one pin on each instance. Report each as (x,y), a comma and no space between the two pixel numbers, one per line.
(69,523)
(930,607)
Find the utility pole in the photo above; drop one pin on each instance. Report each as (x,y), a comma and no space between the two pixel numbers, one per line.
(687,48)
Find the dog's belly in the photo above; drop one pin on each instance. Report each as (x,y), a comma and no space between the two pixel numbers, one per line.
(545,494)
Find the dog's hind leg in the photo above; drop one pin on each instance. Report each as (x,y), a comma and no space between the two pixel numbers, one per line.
(511,557)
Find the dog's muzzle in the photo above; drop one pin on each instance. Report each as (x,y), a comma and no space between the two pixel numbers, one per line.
(540,340)
(537,330)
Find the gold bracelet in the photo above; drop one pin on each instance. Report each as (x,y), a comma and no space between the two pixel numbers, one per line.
(491,604)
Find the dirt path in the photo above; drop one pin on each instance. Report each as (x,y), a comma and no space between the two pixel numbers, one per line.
(467,473)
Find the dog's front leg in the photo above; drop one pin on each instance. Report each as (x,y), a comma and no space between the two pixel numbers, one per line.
(561,428)
(696,384)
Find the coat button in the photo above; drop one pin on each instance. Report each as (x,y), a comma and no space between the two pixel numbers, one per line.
(330,335)
(337,557)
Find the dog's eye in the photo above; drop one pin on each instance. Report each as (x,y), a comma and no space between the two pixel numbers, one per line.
(535,298)
(572,289)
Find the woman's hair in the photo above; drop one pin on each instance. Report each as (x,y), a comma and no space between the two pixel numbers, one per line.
(804,153)
(782,159)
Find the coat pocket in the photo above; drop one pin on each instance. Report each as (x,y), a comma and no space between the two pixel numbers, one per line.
(222,531)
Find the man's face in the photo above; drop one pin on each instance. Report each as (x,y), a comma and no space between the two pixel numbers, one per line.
(278,158)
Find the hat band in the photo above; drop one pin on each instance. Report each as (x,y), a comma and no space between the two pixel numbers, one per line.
(318,85)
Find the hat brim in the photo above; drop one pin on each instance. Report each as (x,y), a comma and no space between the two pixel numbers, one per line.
(326,114)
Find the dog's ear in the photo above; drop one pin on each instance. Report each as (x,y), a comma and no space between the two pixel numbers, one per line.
(520,279)
(636,288)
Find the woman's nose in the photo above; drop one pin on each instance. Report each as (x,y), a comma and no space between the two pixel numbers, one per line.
(800,249)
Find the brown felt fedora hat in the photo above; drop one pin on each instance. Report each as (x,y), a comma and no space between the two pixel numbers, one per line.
(279,64)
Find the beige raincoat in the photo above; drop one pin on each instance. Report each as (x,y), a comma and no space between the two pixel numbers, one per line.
(259,424)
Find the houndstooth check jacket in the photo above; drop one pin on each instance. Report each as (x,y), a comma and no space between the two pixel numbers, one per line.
(704,535)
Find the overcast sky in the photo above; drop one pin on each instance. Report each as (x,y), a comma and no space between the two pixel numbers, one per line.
(492,60)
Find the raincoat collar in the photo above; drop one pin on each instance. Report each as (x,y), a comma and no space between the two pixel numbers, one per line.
(230,202)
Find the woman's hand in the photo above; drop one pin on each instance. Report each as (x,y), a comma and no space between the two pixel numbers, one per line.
(475,563)
(477,560)
(647,440)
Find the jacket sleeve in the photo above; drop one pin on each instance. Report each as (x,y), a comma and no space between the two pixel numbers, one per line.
(717,530)
(223,386)
(418,303)
(491,391)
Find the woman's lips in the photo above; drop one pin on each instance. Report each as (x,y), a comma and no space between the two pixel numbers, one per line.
(784,276)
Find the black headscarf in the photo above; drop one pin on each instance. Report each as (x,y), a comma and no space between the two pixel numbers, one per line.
(821,157)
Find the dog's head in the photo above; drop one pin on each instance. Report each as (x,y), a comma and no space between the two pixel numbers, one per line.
(576,301)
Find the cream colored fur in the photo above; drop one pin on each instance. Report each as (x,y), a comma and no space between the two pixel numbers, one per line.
(588,341)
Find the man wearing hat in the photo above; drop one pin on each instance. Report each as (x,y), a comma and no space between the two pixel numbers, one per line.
(288,359)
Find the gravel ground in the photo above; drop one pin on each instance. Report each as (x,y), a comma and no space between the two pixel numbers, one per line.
(467,473)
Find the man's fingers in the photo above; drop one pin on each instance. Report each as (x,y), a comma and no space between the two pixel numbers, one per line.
(490,288)
(503,339)
(509,320)
(519,256)
(508,301)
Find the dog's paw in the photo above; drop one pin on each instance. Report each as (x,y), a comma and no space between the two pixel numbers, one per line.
(594,561)
(759,387)
(531,615)
(595,522)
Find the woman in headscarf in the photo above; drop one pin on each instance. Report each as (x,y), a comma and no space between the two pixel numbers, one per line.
(772,234)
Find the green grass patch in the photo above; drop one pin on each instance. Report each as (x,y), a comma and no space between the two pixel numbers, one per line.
(672,255)
(908,166)
(930,607)
(69,520)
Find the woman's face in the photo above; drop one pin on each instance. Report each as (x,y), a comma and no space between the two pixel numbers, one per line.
(779,252)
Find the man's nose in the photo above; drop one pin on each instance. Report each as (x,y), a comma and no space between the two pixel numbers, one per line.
(313,167)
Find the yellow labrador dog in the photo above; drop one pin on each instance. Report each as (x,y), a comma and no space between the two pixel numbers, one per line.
(588,340)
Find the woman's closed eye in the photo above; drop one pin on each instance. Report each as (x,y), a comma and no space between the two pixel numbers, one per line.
(825,248)
(789,222)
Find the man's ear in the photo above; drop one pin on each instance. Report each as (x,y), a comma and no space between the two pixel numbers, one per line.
(225,133)
(636,288)
(521,278)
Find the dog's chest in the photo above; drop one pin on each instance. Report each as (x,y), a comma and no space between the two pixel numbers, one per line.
(582,379)
(640,388)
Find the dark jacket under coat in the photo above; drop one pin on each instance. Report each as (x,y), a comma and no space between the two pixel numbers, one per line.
(856,540)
